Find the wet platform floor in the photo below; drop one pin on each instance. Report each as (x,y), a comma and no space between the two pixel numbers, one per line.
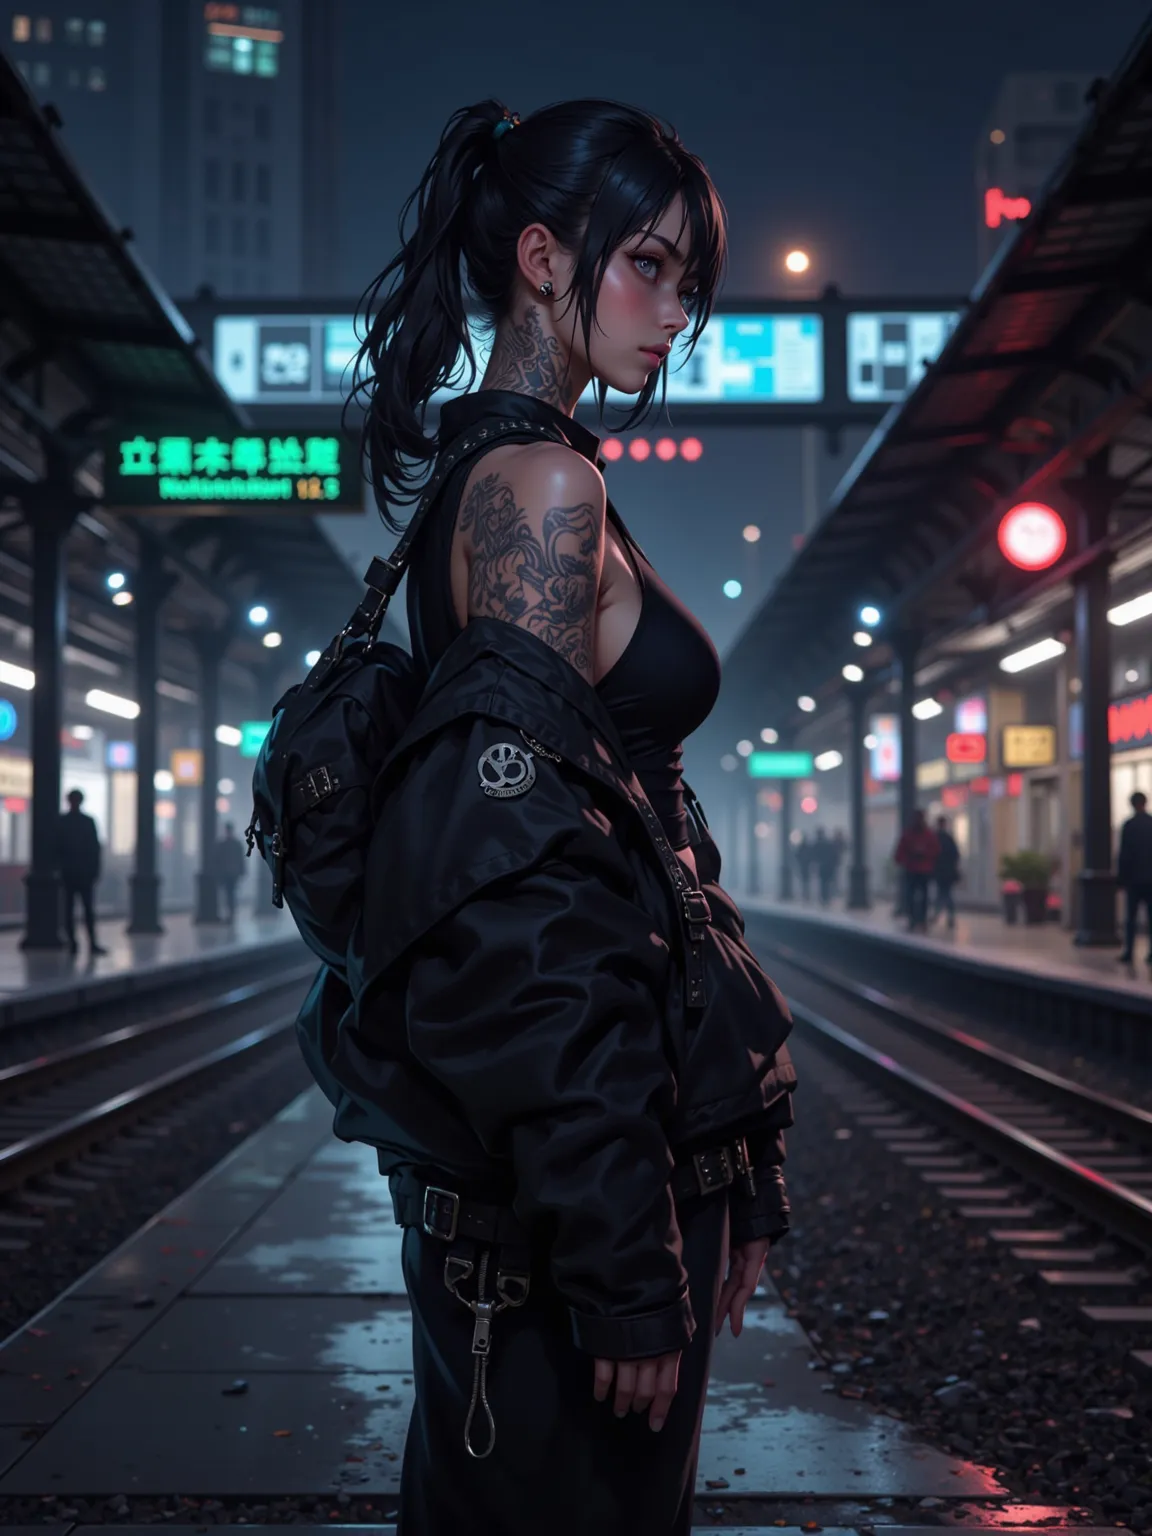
(282,1268)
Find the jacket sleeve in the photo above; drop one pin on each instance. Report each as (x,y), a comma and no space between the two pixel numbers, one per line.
(767,1213)
(539,1005)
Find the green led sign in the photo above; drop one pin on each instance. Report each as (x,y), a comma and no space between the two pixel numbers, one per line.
(779,765)
(308,474)
(252,734)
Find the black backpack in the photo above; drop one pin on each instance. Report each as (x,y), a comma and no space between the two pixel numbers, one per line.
(332,733)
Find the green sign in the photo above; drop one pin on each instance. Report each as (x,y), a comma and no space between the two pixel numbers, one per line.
(307,474)
(252,734)
(779,765)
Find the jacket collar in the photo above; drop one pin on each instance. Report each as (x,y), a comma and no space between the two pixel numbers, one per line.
(461,670)
(458,415)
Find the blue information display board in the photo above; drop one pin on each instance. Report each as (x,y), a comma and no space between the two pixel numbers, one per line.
(888,353)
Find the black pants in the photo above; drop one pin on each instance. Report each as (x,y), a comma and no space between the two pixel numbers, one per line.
(562,1463)
(945,900)
(1136,896)
(83,889)
(916,886)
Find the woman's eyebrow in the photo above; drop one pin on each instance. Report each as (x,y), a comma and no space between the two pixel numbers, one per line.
(673,250)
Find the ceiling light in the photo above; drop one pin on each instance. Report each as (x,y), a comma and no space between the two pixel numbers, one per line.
(225,786)
(927,709)
(1135,608)
(852,673)
(112,704)
(1131,676)
(871,742)
(272,639)
(729,762)
(732,589)
(115,580)
(81,732)
(16,677)
(806,703)
(752,534)
(744,748)
(229,736)
(163,781)
(258,615)
(827,760)
(870,615)
(1031,655)
(769,737)
(862,637)
(121,599)
(312,658)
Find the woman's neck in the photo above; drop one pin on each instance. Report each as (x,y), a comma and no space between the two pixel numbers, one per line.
(528,359)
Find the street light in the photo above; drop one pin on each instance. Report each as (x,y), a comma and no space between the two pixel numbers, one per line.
(870,615)
(852,673)
(862,638)
(806,703)
(258,615)
(797,262)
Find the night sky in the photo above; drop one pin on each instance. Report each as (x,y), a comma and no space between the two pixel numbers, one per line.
(849,126)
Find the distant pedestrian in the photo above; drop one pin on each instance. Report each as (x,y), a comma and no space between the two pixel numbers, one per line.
(824,860)
(840,847)
(804,862)
(78,861)
(946,872)
(1134,871)
(916,854)
(228,866)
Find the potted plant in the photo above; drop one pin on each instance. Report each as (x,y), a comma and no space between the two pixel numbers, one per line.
(1033,871)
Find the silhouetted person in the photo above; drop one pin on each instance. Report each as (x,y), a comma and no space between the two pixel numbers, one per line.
(825,859)
(228,866)
(804,852)
(840,849)
(78,860)
(947,871)
(916,854)
(1134,870)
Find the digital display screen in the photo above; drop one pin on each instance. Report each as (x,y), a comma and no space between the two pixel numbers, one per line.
(889,353)
(740,359)
(307,473)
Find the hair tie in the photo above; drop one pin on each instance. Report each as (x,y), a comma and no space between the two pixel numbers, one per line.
(506,122)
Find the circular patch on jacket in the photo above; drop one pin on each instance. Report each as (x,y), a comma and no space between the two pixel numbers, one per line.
(506,770)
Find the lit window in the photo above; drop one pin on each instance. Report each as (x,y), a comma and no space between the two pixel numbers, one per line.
(268,59)
(218,54)
(241,55)
(41,74)
(43,29)
(74,29)
(21,29)
(97,31)
(96,78)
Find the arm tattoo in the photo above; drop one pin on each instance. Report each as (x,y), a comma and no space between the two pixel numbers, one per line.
(526,360)
(548,587)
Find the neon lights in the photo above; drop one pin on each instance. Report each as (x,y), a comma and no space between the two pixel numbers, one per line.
(966,747)
(1032,536)
(998,207)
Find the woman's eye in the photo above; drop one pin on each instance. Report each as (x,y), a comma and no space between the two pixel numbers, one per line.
(689,301)
(653,261)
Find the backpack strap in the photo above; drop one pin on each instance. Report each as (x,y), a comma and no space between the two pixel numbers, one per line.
(383,576)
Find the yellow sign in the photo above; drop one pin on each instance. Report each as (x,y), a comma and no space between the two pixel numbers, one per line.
(1028,746)
(16,777)
(932,774)
(188,767)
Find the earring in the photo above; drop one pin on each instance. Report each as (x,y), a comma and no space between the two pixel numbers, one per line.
(546,290)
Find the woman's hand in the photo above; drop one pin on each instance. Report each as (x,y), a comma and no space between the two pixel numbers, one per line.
(638,1384)
(745,1261)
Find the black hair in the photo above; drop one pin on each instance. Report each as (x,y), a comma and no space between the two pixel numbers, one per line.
(1138,801)
(594,173)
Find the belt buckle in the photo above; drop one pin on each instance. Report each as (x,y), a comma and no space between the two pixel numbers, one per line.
(704,1179)
(696,908)
(435,1207)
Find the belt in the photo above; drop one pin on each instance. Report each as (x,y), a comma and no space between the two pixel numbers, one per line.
(446,1215)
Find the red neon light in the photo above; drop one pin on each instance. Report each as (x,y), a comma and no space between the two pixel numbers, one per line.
(691,449)
(809,805)
(611,449)
(15,804)
(1032,536)
(998,206)
(966,747)
(953,796)
(980,786)
(665,448)
(639,449)
(1015,785)
(1130,720)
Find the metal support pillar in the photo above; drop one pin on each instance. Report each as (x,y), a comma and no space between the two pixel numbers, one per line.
(51,522)
(787,853)
(1094,495)
(907,647)
(858,897)
(754,786)
(210,647)
(152,586)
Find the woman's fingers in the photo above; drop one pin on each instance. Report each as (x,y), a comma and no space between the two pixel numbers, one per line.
(602,1379)
(645,1385)
(667,1379)
(626,1371)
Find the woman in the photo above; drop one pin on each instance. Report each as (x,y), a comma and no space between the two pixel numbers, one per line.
(561,1115)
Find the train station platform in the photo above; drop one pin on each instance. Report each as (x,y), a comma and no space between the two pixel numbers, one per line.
(1043,955)
(36,983)
(254,1339)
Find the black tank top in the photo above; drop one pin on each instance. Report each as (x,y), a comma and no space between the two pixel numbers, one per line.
(665,683)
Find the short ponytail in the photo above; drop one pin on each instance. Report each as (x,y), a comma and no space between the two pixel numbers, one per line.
(594,173)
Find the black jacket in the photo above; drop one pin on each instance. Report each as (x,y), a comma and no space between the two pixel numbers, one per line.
(1134,866)
(78,848)
(522,1019)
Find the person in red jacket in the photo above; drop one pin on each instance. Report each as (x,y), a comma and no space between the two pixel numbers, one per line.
(916,854)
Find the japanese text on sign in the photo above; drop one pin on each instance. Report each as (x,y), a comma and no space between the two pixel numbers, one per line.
(310,471)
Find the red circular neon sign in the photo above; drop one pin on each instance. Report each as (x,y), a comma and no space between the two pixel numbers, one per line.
(1032,536)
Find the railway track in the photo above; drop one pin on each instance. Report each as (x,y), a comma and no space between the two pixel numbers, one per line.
(1092,1150)
(58,1104)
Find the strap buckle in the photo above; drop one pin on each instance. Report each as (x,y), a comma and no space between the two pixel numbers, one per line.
(713,1169)
(440,1206)
(696,908)
(317,784)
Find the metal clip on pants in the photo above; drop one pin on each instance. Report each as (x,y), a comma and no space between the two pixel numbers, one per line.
(512,1290)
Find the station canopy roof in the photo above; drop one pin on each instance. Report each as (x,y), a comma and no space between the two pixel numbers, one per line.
(1049,370)
(90,340)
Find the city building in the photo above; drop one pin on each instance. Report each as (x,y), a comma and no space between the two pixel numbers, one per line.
(207,129)
(1033,120)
